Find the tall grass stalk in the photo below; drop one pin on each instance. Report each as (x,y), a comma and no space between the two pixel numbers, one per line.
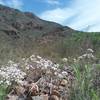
(3,92)
(83,88)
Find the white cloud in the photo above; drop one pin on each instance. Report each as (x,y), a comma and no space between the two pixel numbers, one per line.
(57,15)
(53,2)
(12,3)
(81,14)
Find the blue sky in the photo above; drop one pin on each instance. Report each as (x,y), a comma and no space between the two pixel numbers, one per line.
(78,14)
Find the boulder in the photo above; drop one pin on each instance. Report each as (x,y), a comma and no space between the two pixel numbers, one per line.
(54,97)
(64,82)
(56,93)
(19,90)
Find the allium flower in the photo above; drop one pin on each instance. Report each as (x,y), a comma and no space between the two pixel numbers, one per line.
(65,73)
(80,57)
(64,59)
(10,73)
(89,50)
(87,55)
(60,76)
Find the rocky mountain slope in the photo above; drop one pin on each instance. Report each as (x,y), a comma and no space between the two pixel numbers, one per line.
(20,30)
(23,33)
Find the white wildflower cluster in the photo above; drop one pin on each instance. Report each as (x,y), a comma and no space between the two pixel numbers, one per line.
(87,55)
(35,61)
(89,50)
(10,73)
(65,60)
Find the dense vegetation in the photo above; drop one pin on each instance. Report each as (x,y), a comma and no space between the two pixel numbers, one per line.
(72,45)
(69,46)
